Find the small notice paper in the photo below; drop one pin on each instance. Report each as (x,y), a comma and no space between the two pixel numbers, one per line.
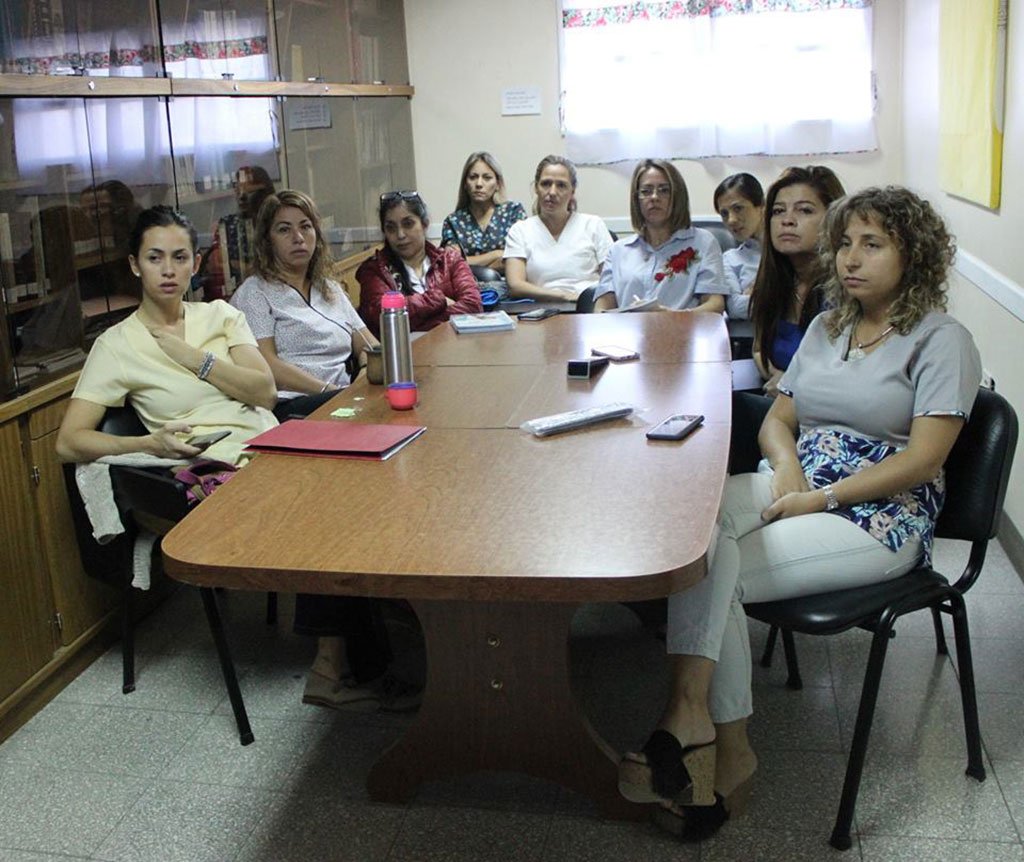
(519,101)
(313,114)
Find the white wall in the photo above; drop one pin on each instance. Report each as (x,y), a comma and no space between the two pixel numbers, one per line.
(995,237)
(463,53)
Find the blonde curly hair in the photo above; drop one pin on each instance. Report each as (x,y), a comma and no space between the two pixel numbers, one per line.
(926,251)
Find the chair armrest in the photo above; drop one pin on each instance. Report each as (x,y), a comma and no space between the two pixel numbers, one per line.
(152,491)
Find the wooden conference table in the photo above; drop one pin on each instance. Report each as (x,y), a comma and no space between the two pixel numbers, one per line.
(495,536)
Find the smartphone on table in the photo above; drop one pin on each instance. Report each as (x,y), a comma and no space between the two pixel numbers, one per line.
(204,441)
(615,353)
(675,427)
(542,313)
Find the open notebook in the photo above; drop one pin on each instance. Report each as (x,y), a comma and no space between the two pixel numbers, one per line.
(334,439)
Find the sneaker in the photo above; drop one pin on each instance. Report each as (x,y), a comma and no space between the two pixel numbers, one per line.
(324,691)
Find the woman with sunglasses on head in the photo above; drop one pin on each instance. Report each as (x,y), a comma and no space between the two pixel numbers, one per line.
(437,282)
(557,253)
(667,261)
(304,324)
(481,219)
(187,368)
(739,200)
(866,416)
(786,294)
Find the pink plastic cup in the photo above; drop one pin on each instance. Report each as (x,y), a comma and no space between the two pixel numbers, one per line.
(402,396)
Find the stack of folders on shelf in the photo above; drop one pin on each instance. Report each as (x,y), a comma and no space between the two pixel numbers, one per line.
(487,321)
(333,439)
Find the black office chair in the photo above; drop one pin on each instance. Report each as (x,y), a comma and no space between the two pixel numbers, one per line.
(155,496)
(485,273)
(585,301)
(719,230)
(977,474)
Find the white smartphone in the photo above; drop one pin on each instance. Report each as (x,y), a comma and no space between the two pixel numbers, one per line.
(614,353)
(675,427)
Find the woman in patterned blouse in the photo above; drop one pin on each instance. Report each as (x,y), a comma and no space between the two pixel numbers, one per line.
(481,219)
(866,415)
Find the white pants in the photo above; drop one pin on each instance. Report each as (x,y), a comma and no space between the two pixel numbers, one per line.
(758,562)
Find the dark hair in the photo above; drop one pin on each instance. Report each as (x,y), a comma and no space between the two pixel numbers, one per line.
(926,254)
(463,200)
(160,216)
(679,214)
(123,209)
(774,292)
(415,204)
(547,162)
(265,263)
(746,185)
(251,203)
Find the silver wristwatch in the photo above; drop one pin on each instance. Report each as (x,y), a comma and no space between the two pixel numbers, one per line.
(831,500)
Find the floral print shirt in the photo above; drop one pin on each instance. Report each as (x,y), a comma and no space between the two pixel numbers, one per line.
(828,455)
(462,228)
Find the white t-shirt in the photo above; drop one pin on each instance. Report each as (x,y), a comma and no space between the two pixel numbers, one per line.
(315,336)
(572,261)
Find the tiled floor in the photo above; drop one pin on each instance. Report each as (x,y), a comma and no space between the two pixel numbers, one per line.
(159,776)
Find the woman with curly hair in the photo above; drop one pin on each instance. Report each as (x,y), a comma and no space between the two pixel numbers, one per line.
(866,414)
(304,324)
(786,294)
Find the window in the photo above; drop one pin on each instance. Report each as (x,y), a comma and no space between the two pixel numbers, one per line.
(690,79)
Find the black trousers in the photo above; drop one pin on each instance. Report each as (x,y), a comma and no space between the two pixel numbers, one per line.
(355,619)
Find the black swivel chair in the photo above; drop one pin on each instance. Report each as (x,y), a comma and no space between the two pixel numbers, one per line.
(155,496)
(977,474)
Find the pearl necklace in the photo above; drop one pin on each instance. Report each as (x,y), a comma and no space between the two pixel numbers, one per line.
(857,353)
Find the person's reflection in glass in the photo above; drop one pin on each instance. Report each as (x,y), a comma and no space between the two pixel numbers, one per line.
(111,208)
(233,236)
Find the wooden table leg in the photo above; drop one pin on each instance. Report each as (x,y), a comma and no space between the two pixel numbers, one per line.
(498,698)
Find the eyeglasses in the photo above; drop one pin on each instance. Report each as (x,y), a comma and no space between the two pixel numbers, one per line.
(391,197)
(650,191)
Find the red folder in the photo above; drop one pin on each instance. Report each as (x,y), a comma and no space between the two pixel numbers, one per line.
(334,439)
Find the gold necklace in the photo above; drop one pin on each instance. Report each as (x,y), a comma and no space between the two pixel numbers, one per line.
(857,353)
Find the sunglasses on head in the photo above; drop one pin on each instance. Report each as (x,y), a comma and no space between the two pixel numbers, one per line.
(391,197)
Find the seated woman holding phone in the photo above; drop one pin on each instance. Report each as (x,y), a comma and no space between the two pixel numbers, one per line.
(304,324)
(187,368)
(668,265)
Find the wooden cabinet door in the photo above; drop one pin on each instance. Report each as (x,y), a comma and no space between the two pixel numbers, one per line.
(26,633)
(80,600)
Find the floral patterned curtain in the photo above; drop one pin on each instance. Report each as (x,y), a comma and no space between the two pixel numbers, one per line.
(710,78)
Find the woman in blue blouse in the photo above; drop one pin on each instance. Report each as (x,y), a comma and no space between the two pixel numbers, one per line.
(739,200)
(785,298)
(481,219)
(866,415)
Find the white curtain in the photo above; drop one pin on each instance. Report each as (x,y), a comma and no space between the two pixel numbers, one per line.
(716,78)
(129,137)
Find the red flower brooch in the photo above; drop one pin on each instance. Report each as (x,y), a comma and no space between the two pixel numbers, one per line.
(677,263)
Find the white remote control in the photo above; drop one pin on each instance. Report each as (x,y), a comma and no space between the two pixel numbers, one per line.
(558,422)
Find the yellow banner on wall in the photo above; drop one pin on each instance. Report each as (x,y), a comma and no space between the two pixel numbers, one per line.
(972,69)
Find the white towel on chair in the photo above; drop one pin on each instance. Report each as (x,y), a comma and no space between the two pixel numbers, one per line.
(97,492)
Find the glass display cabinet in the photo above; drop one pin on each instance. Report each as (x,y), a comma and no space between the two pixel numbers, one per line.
(106,109)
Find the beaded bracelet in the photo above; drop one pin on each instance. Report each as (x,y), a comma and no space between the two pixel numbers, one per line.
(207,366)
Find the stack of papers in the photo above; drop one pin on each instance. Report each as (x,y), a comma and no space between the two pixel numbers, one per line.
(488,321)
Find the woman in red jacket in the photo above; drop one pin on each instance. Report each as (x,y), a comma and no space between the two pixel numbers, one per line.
(437,282)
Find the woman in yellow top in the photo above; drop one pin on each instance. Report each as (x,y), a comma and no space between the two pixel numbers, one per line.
(187,368)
